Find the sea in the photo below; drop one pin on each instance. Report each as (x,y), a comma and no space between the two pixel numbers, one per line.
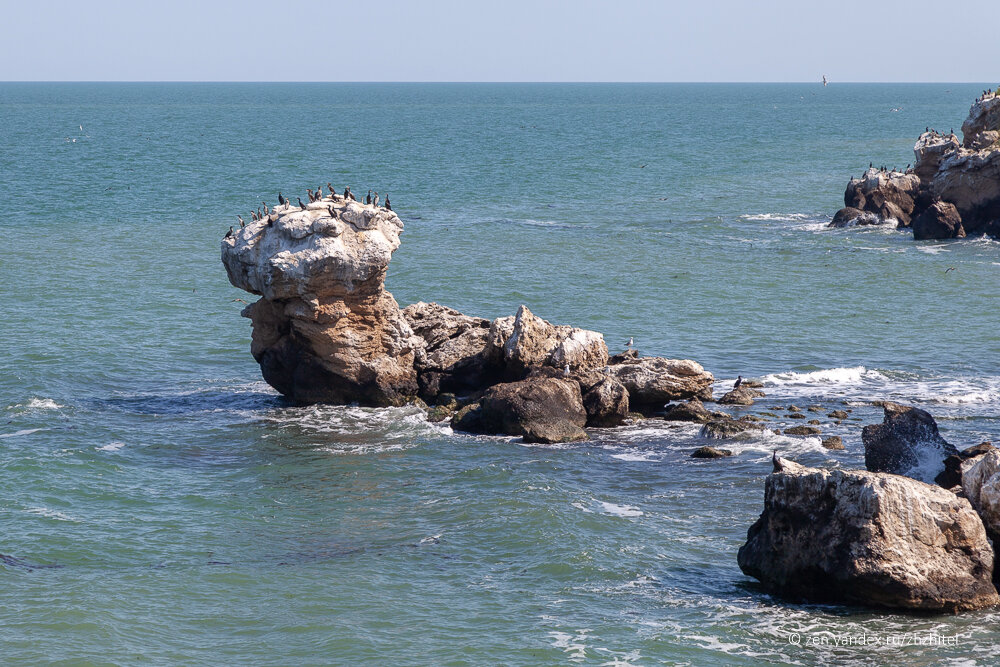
(162,505)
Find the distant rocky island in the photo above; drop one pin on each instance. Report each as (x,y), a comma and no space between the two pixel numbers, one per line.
(953,190)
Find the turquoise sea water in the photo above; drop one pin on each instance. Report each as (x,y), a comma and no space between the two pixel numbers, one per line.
(162,505)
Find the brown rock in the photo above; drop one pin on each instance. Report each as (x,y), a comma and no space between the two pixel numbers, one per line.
(833,442)
(940,221)
(907,442)
(654,381)
(606,403)
(710,453)
(540,409)
(802,430)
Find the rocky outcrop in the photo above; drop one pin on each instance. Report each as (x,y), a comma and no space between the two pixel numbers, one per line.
(725,427)
(833,442)
(850,216)
(980,481)
(961,180)
(533,342)
(907,442)
(951,476)
(868,538)
(690,411)
(654,381)
(325,329)
(539,409)
(606,402)
(938,221)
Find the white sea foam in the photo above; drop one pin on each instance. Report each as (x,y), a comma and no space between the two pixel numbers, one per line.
(26,431)
(932,249)
(111,447)
(50,514)
(830,376)
(778,217)
(620,510)
(42,404)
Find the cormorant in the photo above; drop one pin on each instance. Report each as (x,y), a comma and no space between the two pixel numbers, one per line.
(348,194)
(368,199)
(309,195)
(330,210)
(253,216)
(301,205)
(375,200)
(242,224)
(281,200)
(775,461)
(739,381)
(259,215)
(319,193)
(388,206)
(230,233)
(330,188)
(870,165)
(267,211)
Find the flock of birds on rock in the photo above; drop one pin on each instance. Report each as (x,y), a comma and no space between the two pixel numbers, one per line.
(989,92)
(265,212)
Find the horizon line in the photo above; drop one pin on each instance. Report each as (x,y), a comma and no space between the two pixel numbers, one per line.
(504,81)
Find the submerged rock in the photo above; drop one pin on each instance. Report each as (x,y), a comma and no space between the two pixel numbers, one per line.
(868,538)
(710,453)
(722,428)
(741,396)
(802,430)
(907,442)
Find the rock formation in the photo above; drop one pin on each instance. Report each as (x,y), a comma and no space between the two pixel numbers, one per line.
(953,189)
(868,538)
(907,442)
(325,329)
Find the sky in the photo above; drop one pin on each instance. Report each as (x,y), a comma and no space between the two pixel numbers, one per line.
(499,40)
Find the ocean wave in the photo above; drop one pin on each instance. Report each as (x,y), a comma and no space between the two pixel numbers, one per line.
(26,431)
(828,376)
(111,447)
(777,217)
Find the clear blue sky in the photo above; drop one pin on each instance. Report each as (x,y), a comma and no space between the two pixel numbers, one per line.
(502,40)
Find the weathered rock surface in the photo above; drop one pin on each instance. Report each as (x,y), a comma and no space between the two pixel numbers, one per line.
(654,381)
(325,329)
(539,409)
(741,396)
(850,216)
(952,474)
(456,355)
(689,411)
(802,430)
(833,442)
(907,442)
(606,403)
(722,428)
(964,175)
(868,538)
(980,481)
(534,342)
(939,221)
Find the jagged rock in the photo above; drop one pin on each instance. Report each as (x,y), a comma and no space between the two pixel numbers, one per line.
(623,357)
(939,221)
(689,411)
(868,538)
(440,413)
(540,409)
(930,149)
(890,195)
(907,442)
(741,396)
(722,428)
(952,474)
(325,329)
(984,117)
(980,480)
(833,442)
(710,453)
(837,414)
(653,381)
(802,430)
(455,357)
(606,403)
(534,342)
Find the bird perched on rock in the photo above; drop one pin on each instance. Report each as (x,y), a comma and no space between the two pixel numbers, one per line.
(629,343)
(259,214)
(242,224)
(776,462)
(566,371)
(388,206)
(266,209)
(230,234)
(739,381)
(309,195)
(301,205)
(330,188)
(281,200)
(330,211)
(368,199)
(375,200)
(319,192)
(348,194)
(253,216)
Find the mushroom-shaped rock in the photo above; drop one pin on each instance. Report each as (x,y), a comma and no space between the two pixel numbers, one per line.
(325,329)
(907,442)
(654,381)
(868,538)
(541,409)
